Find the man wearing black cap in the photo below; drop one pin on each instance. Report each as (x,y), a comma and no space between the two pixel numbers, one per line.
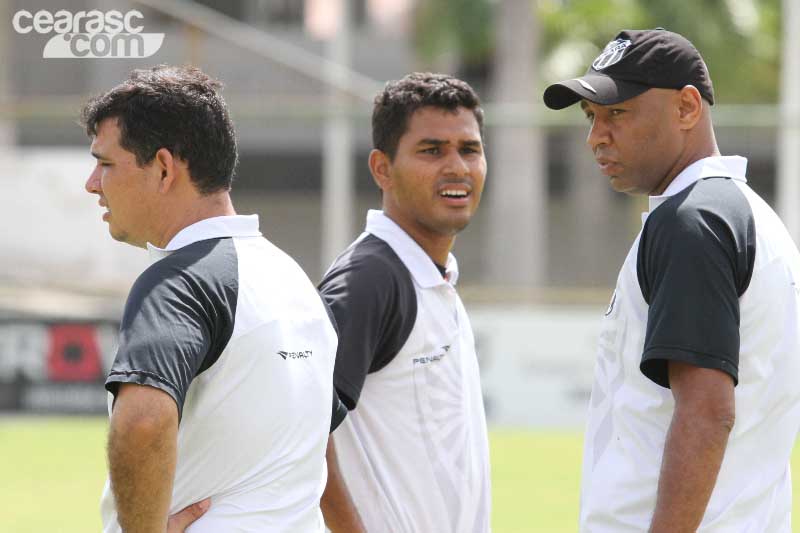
(703,327)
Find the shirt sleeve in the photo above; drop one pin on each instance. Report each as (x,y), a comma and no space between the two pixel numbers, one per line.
(338,409)
(695,260)
(338,412)
(373,301)
(165,334)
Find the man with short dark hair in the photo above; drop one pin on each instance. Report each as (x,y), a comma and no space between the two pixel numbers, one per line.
(695,406)
(413,451)
(222,383)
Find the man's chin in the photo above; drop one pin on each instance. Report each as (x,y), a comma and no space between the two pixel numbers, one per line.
(454,224)
(616,183)
(623,186)
(118,235)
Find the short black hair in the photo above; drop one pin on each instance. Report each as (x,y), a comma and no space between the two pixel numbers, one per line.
(177,108)
(400,99)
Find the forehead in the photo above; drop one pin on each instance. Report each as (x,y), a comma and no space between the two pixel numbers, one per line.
(439,123)
(587,105)
(107,134)
(651,97)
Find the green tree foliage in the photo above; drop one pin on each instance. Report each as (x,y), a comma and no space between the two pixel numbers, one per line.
(454,27)
(740,39)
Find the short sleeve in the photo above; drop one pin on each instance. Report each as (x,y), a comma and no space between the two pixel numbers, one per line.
(338,408)
(695,260)
(373,300)
(174,325)
(338,412)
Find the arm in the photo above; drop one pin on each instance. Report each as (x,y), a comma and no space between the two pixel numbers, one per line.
(142,446)
(338,509)
(703,418)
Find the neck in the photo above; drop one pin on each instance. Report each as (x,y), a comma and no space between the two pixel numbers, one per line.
(195,210)
(436,245)
(695,152)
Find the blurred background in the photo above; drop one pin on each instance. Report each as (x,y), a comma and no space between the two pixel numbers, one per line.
(538,263)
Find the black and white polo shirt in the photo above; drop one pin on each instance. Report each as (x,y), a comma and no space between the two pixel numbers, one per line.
(413,449)
(231,327)
(711,280)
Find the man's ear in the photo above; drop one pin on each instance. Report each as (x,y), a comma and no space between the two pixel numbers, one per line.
(690,107)
(380,166)
(165,166)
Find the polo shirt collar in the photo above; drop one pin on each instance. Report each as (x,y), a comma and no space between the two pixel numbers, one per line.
(732,166)
(209,228)
(412,255)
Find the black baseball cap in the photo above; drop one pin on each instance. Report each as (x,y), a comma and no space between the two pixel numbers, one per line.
(635,61)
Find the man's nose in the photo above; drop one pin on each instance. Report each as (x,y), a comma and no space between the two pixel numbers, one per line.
(598,134)
(92,184)
(456,165)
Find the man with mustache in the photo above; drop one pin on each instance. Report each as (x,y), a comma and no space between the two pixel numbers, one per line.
(413,450)
(695,406)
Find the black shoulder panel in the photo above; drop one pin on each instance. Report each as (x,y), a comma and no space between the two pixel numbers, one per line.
(178,318)
(695,259)
(371,294)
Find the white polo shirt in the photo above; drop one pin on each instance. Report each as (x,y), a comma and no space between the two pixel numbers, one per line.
(413,450)
(711,280)
(235,332)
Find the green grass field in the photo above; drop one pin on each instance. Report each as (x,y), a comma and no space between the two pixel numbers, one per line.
(52,471)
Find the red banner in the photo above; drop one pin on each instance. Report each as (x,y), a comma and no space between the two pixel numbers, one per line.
(74,354)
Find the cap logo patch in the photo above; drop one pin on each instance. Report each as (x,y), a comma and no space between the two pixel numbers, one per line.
(611,54)
(586,85)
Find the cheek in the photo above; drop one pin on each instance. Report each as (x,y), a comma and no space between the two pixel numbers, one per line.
(104,181)
(414,180)
(113,190)
(479,176)
(642,144)
(656,147)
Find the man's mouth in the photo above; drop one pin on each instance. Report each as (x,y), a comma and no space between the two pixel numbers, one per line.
(454,193)
(607,166)
(107,213)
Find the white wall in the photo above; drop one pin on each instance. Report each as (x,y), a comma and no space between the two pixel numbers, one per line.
(536,363)
(51,230)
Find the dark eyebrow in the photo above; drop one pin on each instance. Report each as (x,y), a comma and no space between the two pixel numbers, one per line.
(435,142)
(440,142)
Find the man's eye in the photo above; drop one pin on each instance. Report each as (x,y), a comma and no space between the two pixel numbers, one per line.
(589,116)
(431,150)
(617,112)
(469,150)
